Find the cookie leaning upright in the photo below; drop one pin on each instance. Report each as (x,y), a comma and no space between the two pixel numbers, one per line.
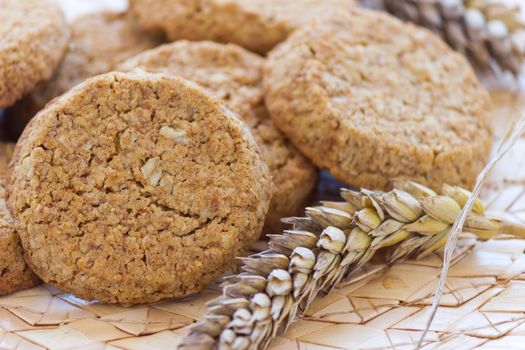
(235,75)
(255,25)
(371,99)
(15,274)
(98,42)
(135,187)
(33,37)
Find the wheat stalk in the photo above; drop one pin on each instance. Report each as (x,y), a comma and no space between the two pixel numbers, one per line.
(332,241)
(487,31)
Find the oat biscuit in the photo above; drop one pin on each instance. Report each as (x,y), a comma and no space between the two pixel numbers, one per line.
(371,99)
(14,272)
(33,39)
(98,42)
(255,25)
(134,187)
(235,75)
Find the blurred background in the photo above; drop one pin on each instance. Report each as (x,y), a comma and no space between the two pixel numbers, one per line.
(75,8)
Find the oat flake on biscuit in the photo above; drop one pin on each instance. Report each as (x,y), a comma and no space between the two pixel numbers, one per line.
(134,187)
(371,99)
(235,75)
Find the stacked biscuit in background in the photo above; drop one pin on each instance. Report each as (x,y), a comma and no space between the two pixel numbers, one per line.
(120,194)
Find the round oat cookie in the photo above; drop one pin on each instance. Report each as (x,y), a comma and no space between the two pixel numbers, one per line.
(371,98)
(14,272)
(33,39)
(134,187)
(235,75)
(98,42)
(255,25)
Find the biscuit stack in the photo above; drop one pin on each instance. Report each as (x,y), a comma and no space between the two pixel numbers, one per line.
(146,168)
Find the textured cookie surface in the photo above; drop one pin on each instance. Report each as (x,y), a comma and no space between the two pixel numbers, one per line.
(370,99)
(98,42)
(254,24)
(235,75)
(33,39)
(14,272)
(136,187)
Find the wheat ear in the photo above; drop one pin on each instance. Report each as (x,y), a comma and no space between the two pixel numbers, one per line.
(331,242)
(487,31)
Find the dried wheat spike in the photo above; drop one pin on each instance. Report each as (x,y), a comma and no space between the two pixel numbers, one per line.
(334,240)
(487,31)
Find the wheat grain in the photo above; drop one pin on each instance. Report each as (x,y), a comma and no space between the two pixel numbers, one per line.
(488,31)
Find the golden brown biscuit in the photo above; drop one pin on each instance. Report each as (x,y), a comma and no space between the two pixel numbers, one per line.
(371,98)
(255,25)
(135,187)
(98,42)
(14,272)
(33,39)
(235,75)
